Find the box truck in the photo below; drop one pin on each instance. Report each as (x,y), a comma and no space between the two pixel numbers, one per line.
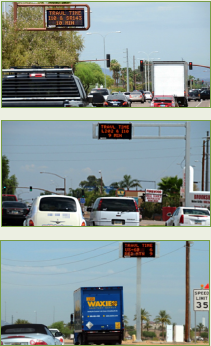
(98,315)
(171,78)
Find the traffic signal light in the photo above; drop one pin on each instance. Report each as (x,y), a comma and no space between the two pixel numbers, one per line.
(82,193)
(141,65)
(202,82)
(108,62)
(190,66)
(4,188)
(30,188)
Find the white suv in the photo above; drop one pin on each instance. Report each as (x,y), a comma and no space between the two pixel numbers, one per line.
(55,210)
(114,211)
(189,216)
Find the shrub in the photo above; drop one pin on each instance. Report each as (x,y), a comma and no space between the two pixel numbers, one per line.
(149,334)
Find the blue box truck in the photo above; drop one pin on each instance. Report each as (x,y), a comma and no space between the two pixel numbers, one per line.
(98,315)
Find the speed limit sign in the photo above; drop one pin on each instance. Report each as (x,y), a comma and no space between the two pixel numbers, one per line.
(201,300)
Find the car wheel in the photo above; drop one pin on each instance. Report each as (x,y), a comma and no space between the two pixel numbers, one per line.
(165,224)
(173,224)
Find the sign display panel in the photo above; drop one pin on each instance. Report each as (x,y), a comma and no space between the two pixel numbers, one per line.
(114,131)
(201,300)
(138,249)
(65,18)
(154,196)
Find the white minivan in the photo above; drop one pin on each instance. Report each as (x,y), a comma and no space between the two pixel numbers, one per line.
(114,211)
(55,210)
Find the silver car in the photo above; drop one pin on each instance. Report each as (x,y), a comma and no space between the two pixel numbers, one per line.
(136,96)
(189,216)
(28,334)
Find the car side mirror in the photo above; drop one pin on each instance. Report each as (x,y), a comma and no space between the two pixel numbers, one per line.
(57,334)
(89,209)
(169,214)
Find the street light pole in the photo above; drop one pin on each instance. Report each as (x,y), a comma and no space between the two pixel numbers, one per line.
(59,177)
(101,189)
(155,51)
(112,32)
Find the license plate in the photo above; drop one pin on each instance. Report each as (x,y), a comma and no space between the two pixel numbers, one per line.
(117,222)
(14,212)
(198,223)
(115,104)
(162,106)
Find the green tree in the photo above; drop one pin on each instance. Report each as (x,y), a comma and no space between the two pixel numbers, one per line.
(91,181)
(163,318)
(89,74)
(128,182)
(144,317)
(200,327)
(62,327)
(147,325)
(11,183)
(170,185)
(27,48)
(19,321)
(115,67)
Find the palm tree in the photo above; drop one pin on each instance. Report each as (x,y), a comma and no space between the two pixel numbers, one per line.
(163,318)
(200,327)
(127,182)
(170,185)
(144,317)
(147,325)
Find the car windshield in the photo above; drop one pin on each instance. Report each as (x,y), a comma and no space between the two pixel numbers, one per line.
(135,93)
(118,205)
(13,204)
(195,212)
(99,91)
(57,204)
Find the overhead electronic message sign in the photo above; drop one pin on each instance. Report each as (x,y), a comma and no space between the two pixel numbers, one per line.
(114,131)
(65,18)
(138,249)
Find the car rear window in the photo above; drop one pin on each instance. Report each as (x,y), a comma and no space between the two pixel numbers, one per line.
(57,204)
(14,204)
(116,97)
(117,205)
(195,212)
(9,198)
(164,99)
(100,91)
(17,329)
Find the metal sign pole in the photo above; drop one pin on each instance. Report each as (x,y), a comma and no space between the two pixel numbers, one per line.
(138,301)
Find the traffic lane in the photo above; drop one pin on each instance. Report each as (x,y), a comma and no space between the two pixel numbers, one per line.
(191,104)
(150,342)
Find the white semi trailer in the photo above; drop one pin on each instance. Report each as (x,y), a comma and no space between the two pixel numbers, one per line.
(171,78)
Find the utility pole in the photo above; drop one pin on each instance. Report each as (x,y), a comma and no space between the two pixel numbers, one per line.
(128,88)
(187,304)
(134,73)
(207,188)
(203,158)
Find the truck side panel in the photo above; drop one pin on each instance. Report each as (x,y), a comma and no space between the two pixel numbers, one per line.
(169,80)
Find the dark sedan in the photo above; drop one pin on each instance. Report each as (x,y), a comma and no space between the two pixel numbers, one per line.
(118,100)
(14,213)
(205,95)
(194,95)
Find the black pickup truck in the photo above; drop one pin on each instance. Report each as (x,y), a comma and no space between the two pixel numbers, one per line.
(42,87)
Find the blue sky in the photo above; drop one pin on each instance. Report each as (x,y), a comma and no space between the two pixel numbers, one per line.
(41,276)
(66,148)
(177,30)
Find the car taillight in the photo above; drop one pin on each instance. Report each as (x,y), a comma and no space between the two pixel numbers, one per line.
(99,205)
(124,103)
(105,103)
(136,205)
(37,342)
(181,220)
(61,340)
(31,223)
(83,224)
(1,343)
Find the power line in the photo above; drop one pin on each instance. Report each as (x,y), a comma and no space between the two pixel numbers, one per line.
(55,259)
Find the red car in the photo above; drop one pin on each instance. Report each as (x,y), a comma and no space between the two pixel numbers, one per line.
(163,101)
